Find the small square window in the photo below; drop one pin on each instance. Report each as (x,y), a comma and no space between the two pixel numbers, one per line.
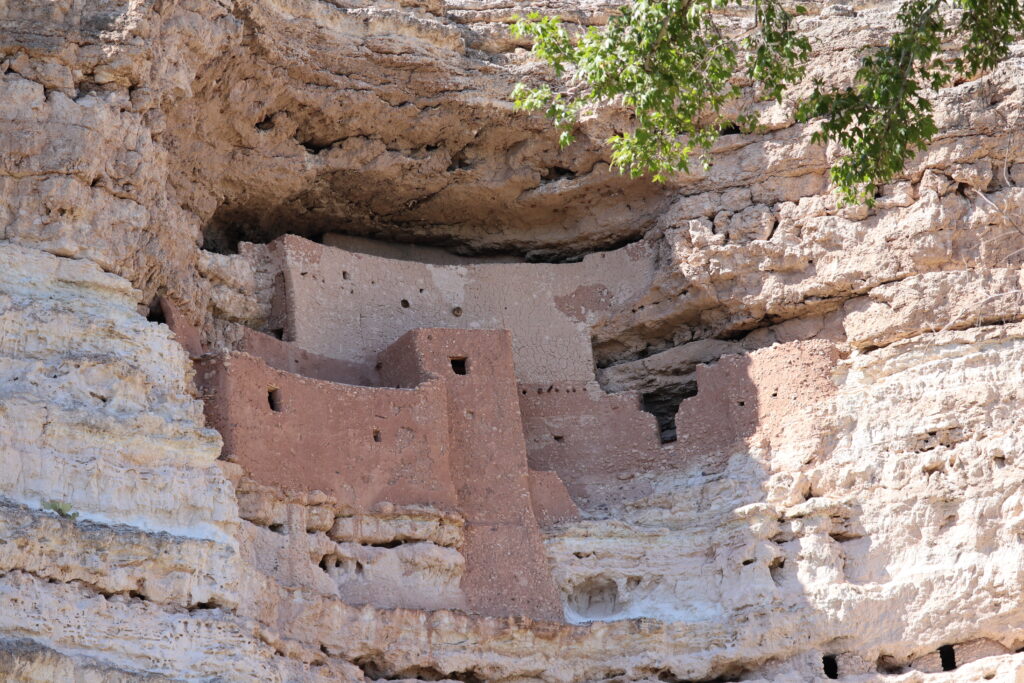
(460,366)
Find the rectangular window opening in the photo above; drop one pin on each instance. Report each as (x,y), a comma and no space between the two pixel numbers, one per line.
(947,655)
(460,366)
(831,666)
(274,399)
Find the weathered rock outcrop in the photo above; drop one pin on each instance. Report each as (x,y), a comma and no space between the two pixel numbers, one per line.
(841,486)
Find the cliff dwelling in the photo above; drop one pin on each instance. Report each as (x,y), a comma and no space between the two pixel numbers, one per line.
(320,361)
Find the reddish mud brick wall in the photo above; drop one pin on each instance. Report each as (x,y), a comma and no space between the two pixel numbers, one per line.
(453,438)
(507,570)
(360,444)
(290,357)
(187,334)
(587,436)
(754,396)
(550,499)
(349,305)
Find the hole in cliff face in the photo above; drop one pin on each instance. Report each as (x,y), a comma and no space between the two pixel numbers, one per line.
(257,222)
(371,667)
(274,400)
(556,173)
(315,146)
(775,568)
(887,664)
(947,655)
(376,436)
(595,598)
(405,303)
(459,161)
(460,366)
(267,123)
(156,312)
(830,666)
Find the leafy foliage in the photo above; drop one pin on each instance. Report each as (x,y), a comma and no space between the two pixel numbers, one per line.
(61,508)
(675,66)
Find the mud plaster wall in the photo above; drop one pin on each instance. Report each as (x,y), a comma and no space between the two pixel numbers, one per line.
(507,570)
(593,440)
(763,399)
(349,305)
(453,441)
(344,304)
(361,445)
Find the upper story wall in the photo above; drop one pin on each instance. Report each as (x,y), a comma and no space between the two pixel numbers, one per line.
(350,305)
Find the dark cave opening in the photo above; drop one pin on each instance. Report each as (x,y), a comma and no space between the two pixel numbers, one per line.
(830,666)
(663,403)
(156,312)
(947,655)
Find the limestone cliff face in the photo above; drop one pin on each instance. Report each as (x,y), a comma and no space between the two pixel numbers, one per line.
(845,487)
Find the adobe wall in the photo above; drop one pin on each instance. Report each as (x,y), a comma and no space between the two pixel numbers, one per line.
(593,440)
(550,499)
(507,571)
(765,397)
(293,358)
(450,438)
(361,445)
(348,305)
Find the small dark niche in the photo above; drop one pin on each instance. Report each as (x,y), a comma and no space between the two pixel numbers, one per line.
(459,162)
(274,400)
(555,173)
(156,312)
(376,436)
(830,666)
(887,664)
(460,366)
(947,656)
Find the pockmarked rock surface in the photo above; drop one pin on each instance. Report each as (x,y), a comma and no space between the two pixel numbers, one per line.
(320,363)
